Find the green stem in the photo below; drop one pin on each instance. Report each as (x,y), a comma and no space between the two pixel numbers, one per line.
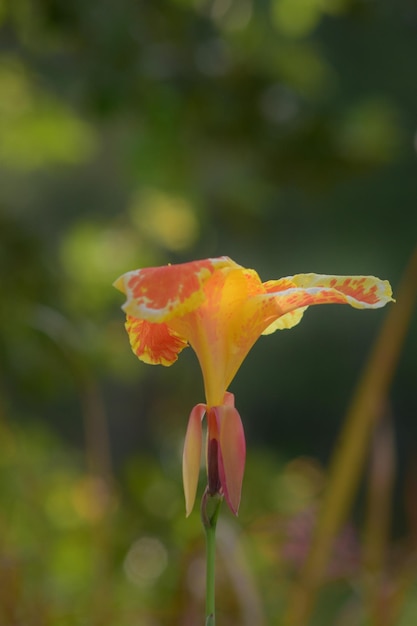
(210,507)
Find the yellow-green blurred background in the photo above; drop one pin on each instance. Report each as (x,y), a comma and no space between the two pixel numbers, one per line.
(281,133)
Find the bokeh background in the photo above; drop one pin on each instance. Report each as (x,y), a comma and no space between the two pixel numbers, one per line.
(281,133)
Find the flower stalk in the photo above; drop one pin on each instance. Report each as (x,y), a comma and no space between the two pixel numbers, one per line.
(210,508)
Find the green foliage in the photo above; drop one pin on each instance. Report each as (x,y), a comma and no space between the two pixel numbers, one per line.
(136,133)
(77,547)
(36,129)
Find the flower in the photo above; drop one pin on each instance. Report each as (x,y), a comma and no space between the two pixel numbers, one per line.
(220,309)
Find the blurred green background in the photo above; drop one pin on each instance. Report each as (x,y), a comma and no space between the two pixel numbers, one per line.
(281,133)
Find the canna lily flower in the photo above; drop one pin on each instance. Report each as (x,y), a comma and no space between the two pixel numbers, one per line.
(220,309)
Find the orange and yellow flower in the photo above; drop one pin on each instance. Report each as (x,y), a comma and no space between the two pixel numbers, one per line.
(220,309)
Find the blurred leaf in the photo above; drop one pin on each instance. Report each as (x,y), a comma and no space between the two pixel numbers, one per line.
(94,255)
(37,130)
(371,131)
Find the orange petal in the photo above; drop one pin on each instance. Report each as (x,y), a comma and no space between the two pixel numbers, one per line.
(159,293)
(226,326)
(156,344)
(361,292)
(192,456)
(232,455)
(272,286)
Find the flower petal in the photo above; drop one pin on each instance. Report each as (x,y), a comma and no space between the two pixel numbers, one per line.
(157,294)
(361,292)
(232,455)
(191,457)
(225,326)
(286,321)
(155,344)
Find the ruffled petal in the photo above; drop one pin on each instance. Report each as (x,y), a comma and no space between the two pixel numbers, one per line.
(286,321)
(191,458)
(158,294)
(303,290)
(232,454)
(156,344)
(361,292)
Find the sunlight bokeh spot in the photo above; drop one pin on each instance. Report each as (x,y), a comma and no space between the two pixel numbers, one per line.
(306,69)
(297,18)
(232,14)
(145,561)
(299,485)
(91,499)
(168,221)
